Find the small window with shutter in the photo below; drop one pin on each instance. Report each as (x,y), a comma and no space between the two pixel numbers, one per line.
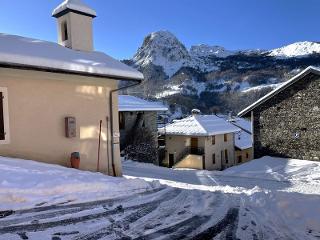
(213,140)
(225,137)
(4,116)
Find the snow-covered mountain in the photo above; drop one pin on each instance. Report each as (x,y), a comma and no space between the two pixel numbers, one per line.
(202,76)
(162,49)
(299,49)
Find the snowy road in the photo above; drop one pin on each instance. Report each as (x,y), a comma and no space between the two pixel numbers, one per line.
(264,199)
(279,199)
(166,213)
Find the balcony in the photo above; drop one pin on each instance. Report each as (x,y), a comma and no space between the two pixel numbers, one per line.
(190,150)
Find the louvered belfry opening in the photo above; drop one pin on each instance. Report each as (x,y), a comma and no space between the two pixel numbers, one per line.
(2,132)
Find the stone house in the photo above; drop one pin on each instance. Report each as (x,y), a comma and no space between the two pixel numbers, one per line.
(286,122)
(61,98)
(134,114)
(201,142)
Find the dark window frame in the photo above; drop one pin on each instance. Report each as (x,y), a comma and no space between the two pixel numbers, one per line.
(213,140)
(226,156)
(213,158)
(122,121)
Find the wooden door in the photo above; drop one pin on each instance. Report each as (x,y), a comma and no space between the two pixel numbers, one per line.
(194,142)
(194,145)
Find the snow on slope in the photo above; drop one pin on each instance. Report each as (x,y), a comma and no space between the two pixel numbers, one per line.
(260,87)
(23,184)
(204,50)
(298,49)
(278,169)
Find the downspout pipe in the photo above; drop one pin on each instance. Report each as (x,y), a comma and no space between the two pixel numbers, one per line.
(137,82)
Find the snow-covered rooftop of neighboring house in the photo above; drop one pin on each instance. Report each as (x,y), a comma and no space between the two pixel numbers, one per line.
(201,125)
(76,5)
(243,139)
(129,103)
(34,53)
(311,69)
(241,123)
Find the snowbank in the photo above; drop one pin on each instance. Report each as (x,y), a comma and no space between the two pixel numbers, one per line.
(279,169)
(25,184)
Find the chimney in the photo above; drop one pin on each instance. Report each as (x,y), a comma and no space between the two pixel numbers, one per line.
(74,19)
(195,112)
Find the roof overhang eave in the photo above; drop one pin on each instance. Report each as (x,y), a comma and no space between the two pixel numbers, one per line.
(143,110)
(296,78)
(19,66)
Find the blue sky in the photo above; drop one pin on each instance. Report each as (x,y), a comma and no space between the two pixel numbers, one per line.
(121,25)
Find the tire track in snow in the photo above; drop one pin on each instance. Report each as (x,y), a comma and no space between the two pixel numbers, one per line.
(59,210)
(36,227)
(227,226)
(187,224)
(124,223)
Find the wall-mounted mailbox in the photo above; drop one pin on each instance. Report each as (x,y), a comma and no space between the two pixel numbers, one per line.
(71,127)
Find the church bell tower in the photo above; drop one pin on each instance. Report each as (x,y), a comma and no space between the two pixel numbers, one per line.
(74,20)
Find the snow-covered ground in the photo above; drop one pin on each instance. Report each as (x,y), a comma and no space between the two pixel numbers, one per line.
(27,184)
(278,198)
(268,198)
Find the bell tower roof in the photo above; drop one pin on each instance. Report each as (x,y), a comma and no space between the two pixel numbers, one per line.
(76,6)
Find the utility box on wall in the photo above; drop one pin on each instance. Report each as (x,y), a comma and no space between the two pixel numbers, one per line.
(71,127)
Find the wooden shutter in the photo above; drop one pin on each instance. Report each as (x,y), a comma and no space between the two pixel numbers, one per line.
(2,131)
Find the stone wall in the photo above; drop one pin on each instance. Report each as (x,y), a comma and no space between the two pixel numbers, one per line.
(149,122)
(288,124)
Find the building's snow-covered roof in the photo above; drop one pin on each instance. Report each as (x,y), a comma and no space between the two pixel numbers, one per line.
(131,104)
(201,125)
(38,54)
(75,5)
(282,87)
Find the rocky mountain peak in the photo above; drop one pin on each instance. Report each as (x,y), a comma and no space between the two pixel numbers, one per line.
(162,48)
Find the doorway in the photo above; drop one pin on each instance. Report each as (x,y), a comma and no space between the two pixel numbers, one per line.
(171,160)
(194,145)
